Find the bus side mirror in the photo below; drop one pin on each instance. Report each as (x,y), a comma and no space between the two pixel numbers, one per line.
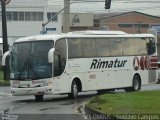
(50,55)
(4,57)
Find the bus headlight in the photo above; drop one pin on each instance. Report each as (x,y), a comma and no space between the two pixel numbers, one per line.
(49,83)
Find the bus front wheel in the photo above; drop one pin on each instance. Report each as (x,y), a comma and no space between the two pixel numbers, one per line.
(74,90)
(39,98)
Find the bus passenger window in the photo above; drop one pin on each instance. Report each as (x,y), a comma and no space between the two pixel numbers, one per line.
(102,47)
(140,46)
(88,47)
(115,47)
(128,47)
(74,48)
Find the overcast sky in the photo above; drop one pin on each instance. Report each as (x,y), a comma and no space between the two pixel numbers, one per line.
(151,7)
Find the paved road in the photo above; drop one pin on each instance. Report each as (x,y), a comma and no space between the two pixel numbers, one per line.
(58,107)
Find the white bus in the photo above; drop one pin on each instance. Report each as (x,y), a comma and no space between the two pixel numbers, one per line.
(81,61)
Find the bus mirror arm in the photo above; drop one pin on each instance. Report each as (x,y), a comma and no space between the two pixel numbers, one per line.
(4,57)
(50,55)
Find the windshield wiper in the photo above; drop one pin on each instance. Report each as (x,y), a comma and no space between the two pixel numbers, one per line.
(25,66)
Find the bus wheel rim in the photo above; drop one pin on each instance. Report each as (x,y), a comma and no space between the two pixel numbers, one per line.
(136,84)
(75,89)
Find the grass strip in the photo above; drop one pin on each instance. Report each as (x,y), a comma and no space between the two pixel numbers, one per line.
(1,75)
(4,83)
(143,102)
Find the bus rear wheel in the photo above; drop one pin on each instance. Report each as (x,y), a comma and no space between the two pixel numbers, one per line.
(136,85)
(74,90)
(39,98)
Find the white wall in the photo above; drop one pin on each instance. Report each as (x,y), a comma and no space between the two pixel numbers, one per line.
(27,28)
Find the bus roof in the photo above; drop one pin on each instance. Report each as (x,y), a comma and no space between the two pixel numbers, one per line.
(39,37)
(97,32)
(90,33)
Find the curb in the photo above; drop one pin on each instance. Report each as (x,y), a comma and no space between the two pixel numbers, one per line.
(96,115)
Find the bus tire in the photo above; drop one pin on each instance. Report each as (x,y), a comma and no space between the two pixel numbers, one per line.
(74,90)
(136,84)
(39,98)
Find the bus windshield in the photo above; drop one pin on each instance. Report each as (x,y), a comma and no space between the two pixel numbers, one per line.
(29,60)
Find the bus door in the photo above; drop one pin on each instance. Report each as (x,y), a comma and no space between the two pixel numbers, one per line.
(57,64)
(57,72)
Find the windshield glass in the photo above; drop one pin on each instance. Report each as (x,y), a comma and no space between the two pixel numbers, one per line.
(29,60)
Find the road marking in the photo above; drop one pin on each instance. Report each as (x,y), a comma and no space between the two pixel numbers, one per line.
(6,94)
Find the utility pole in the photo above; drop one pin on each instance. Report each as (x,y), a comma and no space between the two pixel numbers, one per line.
(4,34)
(66,17)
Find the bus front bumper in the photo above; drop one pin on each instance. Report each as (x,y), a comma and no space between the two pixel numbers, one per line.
(31,91)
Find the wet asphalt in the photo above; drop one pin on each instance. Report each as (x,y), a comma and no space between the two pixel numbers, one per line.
(55,107)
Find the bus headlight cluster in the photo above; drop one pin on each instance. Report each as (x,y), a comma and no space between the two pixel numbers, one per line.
(46,84)
(49,83)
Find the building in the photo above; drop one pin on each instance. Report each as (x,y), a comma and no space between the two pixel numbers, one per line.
(81,21)
(130,22)
(25,18)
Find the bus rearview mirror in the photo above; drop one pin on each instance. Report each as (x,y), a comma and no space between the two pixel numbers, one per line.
(50,55)
(4,57)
